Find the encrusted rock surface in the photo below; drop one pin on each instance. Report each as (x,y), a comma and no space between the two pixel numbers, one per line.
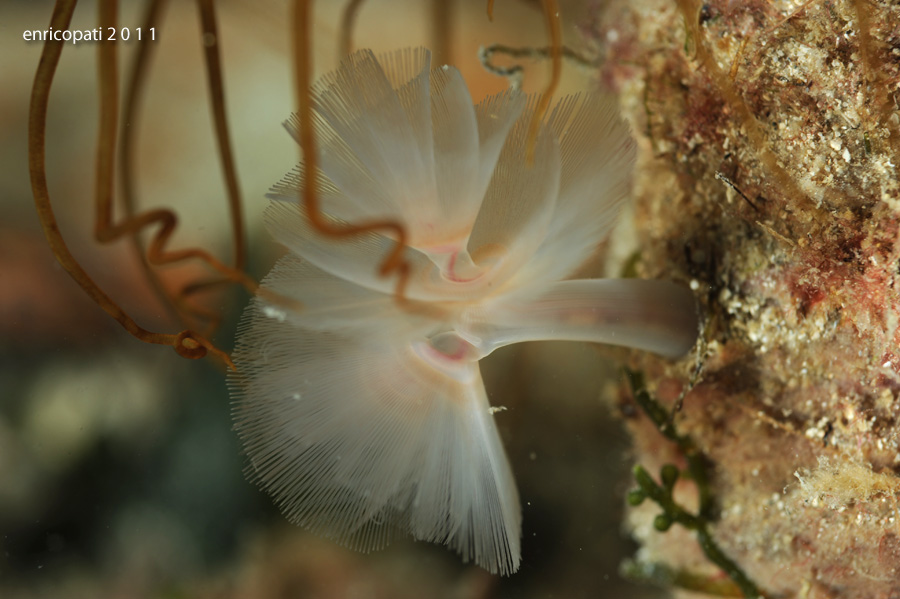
(768,181)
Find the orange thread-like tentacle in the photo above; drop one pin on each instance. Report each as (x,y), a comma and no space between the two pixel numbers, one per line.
(130,114)
(105,231)
(442,30)
(134,89)
(551,17)
(187,343)
(554,32)
(348,20)
(309,199)
(213,63)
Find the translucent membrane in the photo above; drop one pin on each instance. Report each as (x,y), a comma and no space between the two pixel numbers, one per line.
(656,316)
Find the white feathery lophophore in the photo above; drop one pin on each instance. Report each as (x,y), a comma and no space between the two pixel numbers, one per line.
(362,415)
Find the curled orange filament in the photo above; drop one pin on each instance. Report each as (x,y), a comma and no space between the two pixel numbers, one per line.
(188,343)
(309,200)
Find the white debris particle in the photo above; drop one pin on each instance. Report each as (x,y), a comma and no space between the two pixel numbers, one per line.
(273,312)
(494,409)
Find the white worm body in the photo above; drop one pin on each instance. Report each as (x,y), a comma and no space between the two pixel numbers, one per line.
(362,417)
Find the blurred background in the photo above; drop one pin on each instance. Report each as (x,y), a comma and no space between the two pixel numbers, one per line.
(120,475)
